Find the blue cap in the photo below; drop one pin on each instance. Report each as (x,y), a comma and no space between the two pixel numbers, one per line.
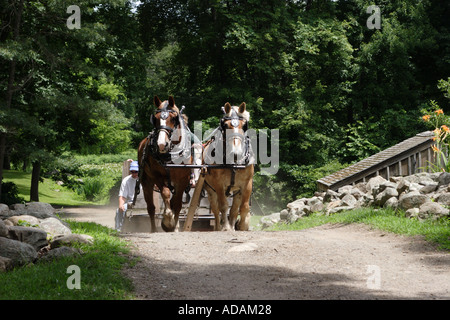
(134,166)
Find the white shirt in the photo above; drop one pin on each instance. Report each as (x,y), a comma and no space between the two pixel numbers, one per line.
(127,188)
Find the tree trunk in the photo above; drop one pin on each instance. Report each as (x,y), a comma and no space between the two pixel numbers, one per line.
(10,88)
(35,175)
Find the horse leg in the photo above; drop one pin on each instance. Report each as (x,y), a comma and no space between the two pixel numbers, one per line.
(212,197)
(234,211)
(223,207)
(167,220)
(176,204)
(148,195)
(244,209)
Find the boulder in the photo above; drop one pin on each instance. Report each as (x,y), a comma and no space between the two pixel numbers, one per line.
(433,209)
(54,226)
(39,210)
(60,253)
(27,219)
(373,182)
(20,253)
(4,211)
(444,198)
(412,200)
(33,236)
(3,229)
(5,264)
(269,220)
(444,178)
(385,195)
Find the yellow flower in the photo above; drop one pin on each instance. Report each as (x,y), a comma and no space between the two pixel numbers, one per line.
(439,111)
(435,149)
(445,128)
(426,117)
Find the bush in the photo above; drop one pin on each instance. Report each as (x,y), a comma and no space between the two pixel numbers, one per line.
(92,188)
(10,194)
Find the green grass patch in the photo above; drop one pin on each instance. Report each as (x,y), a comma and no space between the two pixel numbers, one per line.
(49,190)
(100,276)
(436,231)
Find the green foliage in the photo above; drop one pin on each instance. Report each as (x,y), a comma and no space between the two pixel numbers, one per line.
(10,194)
(100,267)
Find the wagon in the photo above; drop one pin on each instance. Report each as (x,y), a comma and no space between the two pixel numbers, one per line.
(195,214)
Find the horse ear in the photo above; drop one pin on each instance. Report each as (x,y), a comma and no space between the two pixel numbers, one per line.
(242,107)
(171,101)
(156,101)
(227,108)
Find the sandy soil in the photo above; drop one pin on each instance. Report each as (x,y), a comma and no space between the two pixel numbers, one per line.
(328,262)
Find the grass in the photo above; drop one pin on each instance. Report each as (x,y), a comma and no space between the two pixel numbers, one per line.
(100,276)
(49,190)
(384,219)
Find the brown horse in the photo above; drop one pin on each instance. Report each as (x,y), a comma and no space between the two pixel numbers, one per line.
(227,180)
(168,142)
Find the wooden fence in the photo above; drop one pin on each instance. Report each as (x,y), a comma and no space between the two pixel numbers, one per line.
(406,158)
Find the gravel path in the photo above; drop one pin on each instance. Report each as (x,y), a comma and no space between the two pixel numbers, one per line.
(327,262)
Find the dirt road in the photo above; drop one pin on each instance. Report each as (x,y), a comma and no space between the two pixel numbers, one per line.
(328,262)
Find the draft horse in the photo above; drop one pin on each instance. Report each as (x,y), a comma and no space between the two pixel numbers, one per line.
(232,141)
(168,142)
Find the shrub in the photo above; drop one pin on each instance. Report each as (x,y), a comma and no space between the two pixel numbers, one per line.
(10,194)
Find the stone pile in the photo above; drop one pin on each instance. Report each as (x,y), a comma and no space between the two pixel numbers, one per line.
(422,195)
(32,232)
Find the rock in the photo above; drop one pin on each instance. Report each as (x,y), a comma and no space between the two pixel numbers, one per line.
(4,211)
(330,195)
(20,253)
(54,226)
(444,178)
(403,185)
(433,208)
(5,264)
(3,229)
(339,209)
(349,201)
(27,219)
(285,215)
(413,200)
(391,203)
(33,236)
(429,188)
(269,220)
(444,198)
(385,195)
(412,213)
(60,253)
(373,182)
(317,207)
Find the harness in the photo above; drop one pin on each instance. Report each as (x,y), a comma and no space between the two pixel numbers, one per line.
(245,139)
(177,153)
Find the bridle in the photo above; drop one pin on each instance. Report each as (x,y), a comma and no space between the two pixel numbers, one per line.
(235,119)
(164,116)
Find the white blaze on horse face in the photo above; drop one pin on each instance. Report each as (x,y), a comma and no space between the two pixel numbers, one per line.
(237,145)
(163,139)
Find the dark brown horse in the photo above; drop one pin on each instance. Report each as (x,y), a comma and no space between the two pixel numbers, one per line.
(227,180)
(168,142)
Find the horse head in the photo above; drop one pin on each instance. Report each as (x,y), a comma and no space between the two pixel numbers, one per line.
(165,120)
(234,124)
